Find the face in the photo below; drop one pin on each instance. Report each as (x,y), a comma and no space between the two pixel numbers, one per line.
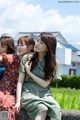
(23,49)
(3,48)
(40,46)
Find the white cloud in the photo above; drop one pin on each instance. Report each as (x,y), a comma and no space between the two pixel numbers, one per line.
(4,3)
(19,16)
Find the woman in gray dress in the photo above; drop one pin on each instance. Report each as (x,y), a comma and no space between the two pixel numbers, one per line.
(35,76)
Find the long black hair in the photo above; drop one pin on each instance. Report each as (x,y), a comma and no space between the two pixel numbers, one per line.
(50,57)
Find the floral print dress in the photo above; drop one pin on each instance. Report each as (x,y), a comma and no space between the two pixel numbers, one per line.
(8,83)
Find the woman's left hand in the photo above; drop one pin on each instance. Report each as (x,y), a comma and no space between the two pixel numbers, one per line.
(28,66)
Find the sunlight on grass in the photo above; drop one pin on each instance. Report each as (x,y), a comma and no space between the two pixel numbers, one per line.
(67,98)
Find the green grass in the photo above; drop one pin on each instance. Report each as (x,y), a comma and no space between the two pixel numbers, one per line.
(67,98)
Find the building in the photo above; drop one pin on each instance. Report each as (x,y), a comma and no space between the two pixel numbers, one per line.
(67,55)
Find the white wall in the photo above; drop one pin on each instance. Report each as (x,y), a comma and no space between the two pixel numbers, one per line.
(64,55)
(64,69)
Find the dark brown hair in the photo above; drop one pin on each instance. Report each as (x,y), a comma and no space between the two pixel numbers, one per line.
(9,42)
(50,57)
(28,41)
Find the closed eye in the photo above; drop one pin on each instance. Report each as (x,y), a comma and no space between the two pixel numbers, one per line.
(41,42)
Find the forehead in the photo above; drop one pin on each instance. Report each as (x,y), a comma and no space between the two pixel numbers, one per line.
(21,41)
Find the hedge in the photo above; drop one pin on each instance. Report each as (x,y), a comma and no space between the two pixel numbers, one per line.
(68,81)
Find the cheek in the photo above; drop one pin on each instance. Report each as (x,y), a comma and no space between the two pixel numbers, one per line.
(21,49)
(43,49)
(24,49)
(3,50)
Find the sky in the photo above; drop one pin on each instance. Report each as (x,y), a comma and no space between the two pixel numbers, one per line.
(41,15)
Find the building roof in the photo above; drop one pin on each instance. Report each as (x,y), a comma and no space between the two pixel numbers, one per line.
(77,46)
(72,47)
(35,35)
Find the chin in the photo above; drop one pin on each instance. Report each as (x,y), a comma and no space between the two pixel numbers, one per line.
(35,50)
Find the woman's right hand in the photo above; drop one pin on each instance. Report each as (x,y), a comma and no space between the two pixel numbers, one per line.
(17,107)
(28,66)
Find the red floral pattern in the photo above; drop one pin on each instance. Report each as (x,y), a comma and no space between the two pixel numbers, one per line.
(10,77)
(8,83)
(7,103)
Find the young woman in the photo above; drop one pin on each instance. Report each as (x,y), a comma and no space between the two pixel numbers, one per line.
(11,63)
(34,80)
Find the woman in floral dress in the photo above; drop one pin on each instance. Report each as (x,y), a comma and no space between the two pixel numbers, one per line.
(11,62)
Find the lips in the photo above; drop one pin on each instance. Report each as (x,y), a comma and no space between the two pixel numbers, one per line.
(36,47)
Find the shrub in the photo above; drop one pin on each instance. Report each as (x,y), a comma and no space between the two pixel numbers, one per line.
(68,81)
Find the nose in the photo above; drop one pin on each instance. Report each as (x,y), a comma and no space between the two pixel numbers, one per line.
(36,43)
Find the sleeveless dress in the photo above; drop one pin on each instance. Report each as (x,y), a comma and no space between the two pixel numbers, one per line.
(36,99)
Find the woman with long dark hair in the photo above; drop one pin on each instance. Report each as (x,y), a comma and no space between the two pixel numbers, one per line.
(35,76)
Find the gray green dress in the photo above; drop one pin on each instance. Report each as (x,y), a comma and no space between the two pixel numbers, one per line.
(36,99)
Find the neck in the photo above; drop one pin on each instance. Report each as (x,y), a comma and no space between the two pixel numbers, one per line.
(41,56)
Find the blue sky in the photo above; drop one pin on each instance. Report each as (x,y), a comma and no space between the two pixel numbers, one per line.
(63,8)
(41,15)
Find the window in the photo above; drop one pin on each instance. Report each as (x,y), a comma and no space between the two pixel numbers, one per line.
(72,71)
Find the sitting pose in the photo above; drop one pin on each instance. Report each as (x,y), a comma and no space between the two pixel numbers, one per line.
(11,62)
(35,76)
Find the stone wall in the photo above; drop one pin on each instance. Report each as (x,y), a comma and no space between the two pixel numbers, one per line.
(70,114)
(66,115)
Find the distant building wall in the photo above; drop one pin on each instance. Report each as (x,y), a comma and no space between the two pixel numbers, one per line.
(65,69)
(64,56)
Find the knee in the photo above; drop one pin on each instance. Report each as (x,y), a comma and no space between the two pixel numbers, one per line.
(44,113)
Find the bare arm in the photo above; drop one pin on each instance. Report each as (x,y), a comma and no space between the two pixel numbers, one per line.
(38,80)
(43,83)
(19,90)
(19,86)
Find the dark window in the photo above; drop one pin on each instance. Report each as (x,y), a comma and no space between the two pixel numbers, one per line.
(72,71)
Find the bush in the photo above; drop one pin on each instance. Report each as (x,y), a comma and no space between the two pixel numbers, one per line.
(68,81)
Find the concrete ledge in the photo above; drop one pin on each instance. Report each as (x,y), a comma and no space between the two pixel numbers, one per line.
(66,115)
(70,114)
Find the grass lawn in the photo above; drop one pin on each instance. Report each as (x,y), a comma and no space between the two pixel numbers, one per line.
(67,98)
